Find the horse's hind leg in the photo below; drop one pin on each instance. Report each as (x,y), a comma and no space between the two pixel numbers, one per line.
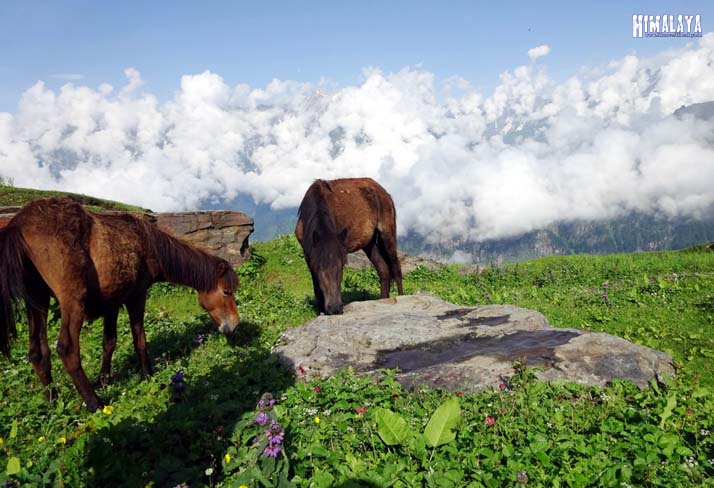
(387,243)
(39,354)
(68,349)
(374,255)
(135,307)
(109,343)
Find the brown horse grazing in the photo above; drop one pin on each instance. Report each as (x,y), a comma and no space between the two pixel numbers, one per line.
(93,264)
(338,217)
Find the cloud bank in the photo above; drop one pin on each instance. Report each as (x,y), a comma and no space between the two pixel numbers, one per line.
(459,164)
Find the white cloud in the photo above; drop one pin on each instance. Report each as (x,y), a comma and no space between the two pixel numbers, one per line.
(459,164)
(539,51)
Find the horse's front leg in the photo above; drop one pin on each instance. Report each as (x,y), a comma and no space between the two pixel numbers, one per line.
(68,350)
(319,297)
(135,307)
(109,343)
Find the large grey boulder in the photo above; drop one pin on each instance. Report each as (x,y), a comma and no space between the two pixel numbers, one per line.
(461,348)
(221,232)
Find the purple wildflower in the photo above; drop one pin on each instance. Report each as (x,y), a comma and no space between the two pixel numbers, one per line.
(262,418)
(200,339)
(522,477)
(177,377)
(266,402)
(272,450)
(275,433)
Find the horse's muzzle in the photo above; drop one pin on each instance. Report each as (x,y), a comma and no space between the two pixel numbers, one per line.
(227,329)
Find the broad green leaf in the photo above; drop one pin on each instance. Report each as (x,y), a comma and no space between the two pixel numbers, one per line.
(391,427)
(250,476)
(13,466)
(667,412)
(439,430)
(700,392)
(13,429)
(322,479)
(279,412)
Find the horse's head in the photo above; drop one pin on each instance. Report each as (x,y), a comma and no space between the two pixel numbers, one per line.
(326,262)
(220,301)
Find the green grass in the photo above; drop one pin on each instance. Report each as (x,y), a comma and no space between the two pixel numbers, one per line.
(17,197)
(549,434)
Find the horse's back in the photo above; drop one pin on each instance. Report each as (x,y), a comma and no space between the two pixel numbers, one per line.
(362,202)
(360,207)
(56,232)
(76,251)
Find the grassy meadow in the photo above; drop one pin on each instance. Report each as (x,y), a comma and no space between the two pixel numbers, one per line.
(199,420)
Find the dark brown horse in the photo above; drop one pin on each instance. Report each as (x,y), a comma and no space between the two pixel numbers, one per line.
(338,217)
(93,264)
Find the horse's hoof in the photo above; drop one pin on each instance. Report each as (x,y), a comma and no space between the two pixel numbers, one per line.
(103,380)
(94,405)
(51,394)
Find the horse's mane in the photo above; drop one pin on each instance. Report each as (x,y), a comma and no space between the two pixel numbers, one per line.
(319,221)
(185,264)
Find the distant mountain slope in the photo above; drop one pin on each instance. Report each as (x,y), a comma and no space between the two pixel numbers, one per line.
(703,110)
(627,234)
(636,232)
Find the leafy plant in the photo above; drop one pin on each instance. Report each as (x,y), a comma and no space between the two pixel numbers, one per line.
(440,429)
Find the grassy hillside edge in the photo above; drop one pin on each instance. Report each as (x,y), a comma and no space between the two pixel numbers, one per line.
(11,196)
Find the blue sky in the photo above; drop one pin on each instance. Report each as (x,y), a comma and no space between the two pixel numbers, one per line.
(254,42)
(583,132)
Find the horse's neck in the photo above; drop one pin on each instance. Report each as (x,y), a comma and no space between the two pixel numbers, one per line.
(184,265)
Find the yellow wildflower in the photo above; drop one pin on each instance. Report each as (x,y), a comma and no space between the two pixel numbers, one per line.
(62,440)
(243,486)
(227,457)
(107,410)
(41,439)
(317,420)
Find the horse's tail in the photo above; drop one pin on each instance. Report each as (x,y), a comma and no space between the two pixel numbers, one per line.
(13,253)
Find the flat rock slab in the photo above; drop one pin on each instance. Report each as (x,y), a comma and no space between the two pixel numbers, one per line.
(462,348)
